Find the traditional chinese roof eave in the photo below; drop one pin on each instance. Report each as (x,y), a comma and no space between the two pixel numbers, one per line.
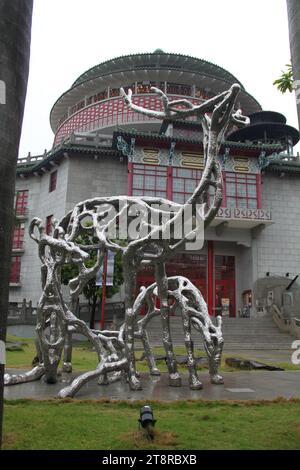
(59,152)
(186,60)
(161,138)
(283,167)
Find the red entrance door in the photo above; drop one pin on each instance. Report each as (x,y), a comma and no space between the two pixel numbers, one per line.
(192,266)
(225,285)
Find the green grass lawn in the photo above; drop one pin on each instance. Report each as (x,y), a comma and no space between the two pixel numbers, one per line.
(191,425)
(85,359)
(73,424)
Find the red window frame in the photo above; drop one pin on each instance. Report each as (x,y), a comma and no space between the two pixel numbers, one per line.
(21,202)
(49,227)
(18,237)
(15,269)
(52,181)
(189,179)
(247,199)
(141,174)
(187,191)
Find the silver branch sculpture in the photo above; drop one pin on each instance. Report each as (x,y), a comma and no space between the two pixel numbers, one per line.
(154,242)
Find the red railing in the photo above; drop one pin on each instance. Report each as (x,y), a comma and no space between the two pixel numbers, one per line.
(111,112)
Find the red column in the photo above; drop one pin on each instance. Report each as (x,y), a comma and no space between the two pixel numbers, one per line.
(104,275)
(170,183)
(258,191)
(210,276)
(224,189)
(130,178)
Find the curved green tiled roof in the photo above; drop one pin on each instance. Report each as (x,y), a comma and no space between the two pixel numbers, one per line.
(184,62)
(146,61)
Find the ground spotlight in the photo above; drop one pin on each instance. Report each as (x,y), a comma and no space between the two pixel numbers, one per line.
(147,420)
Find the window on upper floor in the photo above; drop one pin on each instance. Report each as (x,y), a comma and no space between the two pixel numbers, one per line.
(18,237)
(184,182)
(15,270)
(241,190)
(21,202)
(52,181)
(149,180)
(178,184)
(49,226)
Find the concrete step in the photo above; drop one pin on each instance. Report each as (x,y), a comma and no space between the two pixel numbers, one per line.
(239,334)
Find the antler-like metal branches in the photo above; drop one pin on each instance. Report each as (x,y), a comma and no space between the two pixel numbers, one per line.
(154,242)
(170,110)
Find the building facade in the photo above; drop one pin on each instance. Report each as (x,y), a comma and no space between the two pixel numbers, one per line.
(103,148)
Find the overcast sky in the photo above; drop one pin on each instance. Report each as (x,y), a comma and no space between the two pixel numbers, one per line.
(248,38)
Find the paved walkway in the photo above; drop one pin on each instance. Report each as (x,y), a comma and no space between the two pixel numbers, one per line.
(254,385)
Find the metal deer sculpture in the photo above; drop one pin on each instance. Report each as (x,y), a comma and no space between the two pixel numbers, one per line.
(154,242)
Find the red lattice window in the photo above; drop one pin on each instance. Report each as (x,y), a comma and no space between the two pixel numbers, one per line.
(184,183)
(149,180)
(21,202)
(49,227)
(241,190)
(18,237)
(53,181)
(15,269)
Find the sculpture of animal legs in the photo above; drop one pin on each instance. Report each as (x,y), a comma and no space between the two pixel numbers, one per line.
(67,364)
(193,309)
(162,290)
(129,283)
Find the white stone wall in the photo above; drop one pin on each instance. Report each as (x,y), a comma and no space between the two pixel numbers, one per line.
(78,178)
(41,203)
(278,246)
(89,178)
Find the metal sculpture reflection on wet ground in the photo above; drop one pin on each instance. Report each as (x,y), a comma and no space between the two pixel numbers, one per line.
(155,240)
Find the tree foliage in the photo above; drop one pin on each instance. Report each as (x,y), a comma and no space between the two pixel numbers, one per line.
(285,82)
(92,292)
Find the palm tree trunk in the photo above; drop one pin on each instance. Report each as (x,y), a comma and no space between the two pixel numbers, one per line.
(15,36)
(293,7)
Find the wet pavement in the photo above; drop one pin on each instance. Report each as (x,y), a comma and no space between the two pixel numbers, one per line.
(241,385)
